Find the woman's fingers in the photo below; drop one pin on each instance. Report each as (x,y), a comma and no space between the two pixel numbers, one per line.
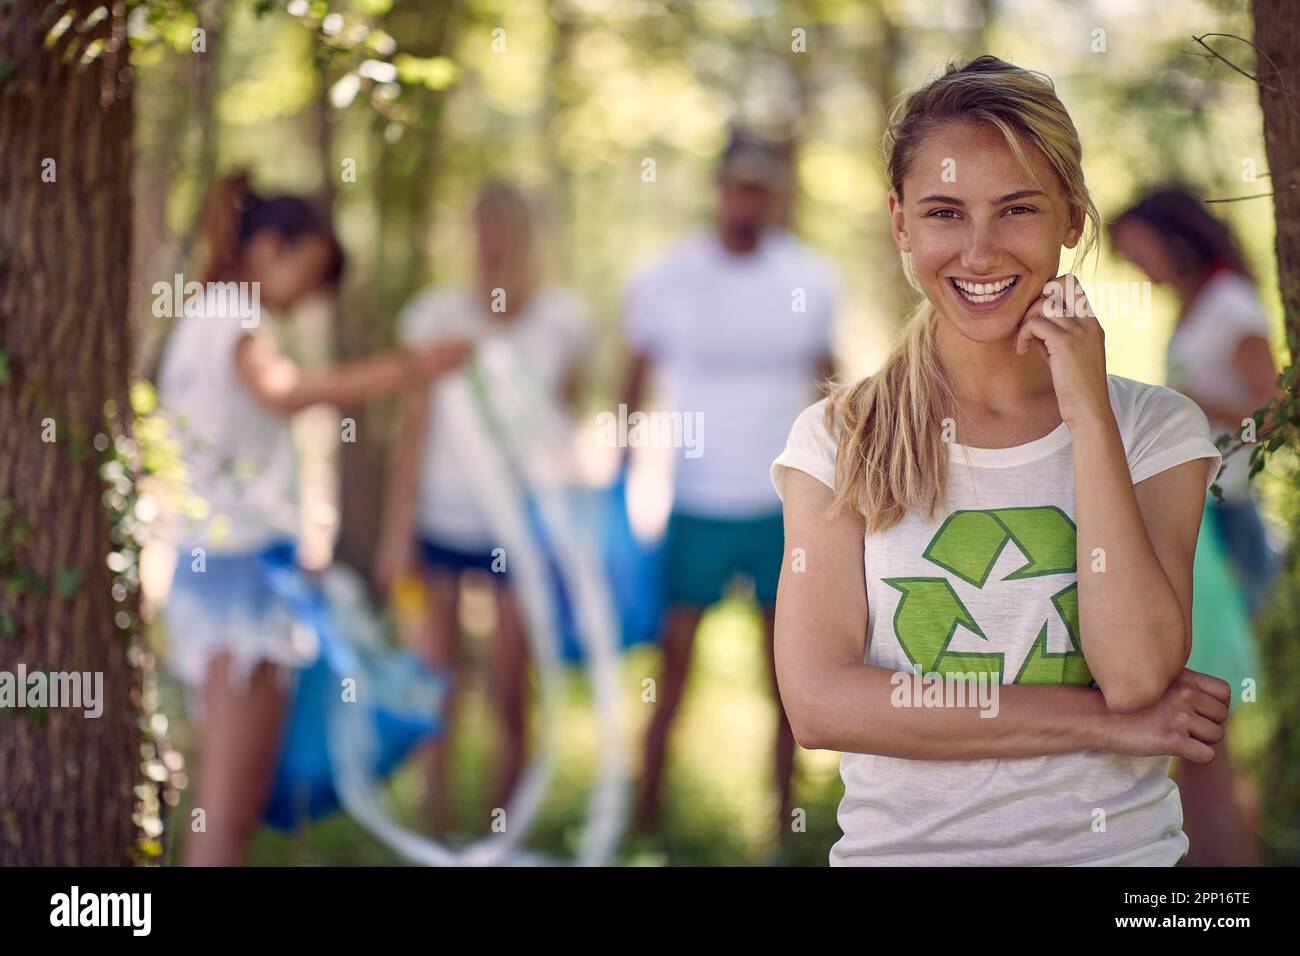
(1194,750)
(1060,313)
(1064,298)
(1206,731)
(1045,330)
(1211,707)
(1209,684)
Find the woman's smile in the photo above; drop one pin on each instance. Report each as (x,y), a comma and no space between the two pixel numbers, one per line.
(983,295)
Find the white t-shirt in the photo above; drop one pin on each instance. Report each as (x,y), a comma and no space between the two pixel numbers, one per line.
(1200,355)
(554,331)
(239,455)
(1010,510)
(735,341)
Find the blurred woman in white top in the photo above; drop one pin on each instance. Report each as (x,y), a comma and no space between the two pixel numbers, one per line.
(229,392)
(434,517)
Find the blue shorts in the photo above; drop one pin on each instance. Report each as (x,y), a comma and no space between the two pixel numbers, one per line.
(444,557)
(703,554)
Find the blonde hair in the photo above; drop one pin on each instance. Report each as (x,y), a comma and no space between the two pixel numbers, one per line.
(505,207)
(892,458)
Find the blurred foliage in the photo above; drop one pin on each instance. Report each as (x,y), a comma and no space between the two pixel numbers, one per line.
(140,462)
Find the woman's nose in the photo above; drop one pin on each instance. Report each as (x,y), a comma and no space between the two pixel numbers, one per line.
(981,252)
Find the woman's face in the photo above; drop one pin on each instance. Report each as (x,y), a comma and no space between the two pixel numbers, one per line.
(1140,244)
(288,270)
(985,235)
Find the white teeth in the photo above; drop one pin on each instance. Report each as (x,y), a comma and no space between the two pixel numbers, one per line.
(984,291)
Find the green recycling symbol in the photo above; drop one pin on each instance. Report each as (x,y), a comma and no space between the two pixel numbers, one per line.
(968,544)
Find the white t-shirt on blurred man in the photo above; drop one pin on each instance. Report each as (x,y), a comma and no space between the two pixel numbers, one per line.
(735,340)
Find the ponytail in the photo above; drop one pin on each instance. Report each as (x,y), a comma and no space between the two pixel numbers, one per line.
(892,457)
(221,225)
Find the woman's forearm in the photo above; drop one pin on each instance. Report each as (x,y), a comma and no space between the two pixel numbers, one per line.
(1131,621)
(862,708)
(356,382)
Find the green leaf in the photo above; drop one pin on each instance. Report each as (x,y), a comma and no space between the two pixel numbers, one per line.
(434,72)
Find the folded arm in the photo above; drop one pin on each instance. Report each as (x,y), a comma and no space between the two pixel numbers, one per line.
(836,702)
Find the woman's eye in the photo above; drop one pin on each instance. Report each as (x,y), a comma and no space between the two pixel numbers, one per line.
(944,214)
(1018,210)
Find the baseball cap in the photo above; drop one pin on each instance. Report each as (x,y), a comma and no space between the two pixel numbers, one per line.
(750,158)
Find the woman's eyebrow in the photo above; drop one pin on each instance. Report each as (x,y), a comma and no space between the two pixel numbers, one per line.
(1009,197)
(1022,194)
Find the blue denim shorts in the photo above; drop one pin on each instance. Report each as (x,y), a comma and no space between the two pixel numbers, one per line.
(221,603)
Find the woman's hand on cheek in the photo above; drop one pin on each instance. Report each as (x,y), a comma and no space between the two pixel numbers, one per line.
(1069,337)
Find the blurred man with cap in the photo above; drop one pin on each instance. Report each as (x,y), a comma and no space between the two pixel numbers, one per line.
(733,324)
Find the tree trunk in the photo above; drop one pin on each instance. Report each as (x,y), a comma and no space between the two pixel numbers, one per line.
(1277,69)
(1277,41)
(66,780)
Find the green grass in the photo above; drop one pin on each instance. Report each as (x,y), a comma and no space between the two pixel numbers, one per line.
(719,799)
(719,796)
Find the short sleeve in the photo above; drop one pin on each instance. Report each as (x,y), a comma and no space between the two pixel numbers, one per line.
(1167,430)
(810,449)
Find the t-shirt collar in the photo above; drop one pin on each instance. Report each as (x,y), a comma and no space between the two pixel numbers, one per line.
(1032,451)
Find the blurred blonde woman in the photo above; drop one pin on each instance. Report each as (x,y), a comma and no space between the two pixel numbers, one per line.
(993,508)
(433,520)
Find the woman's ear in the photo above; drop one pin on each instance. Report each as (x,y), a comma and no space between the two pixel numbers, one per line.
(898,223)
(1075,232)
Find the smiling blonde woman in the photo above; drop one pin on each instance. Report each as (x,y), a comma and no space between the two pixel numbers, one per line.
(993,504)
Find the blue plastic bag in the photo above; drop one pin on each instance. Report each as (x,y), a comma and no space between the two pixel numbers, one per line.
(304,779)
(633,569)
